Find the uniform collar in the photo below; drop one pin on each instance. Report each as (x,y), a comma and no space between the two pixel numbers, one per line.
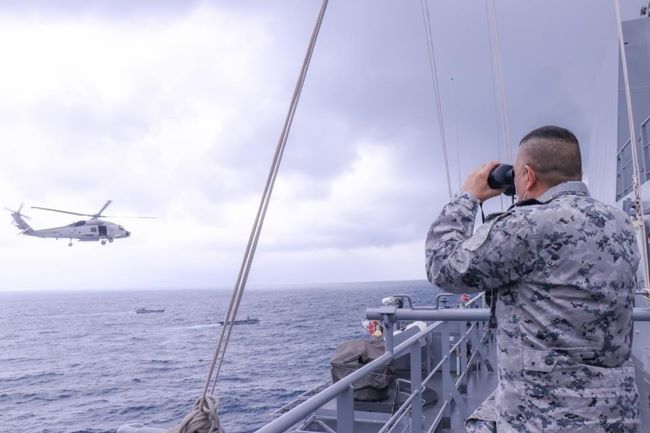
(575,187)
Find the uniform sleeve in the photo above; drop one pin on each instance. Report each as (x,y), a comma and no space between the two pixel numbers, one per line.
(497,254)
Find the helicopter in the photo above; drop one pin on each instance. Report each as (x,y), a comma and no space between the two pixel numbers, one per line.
(89,230)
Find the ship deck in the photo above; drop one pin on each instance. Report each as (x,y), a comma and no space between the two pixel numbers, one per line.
(479,386)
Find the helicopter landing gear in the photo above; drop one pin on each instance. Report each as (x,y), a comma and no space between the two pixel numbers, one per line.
(70,243)
(103,241)
(110,240)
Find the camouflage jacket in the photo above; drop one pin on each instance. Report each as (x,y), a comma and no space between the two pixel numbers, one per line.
(564,270)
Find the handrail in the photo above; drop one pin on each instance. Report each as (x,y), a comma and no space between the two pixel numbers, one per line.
(302,410)
(475,299)
(398,414)
(628,141)
(641,125)
(644,143)
(468,314)
(445,314)
(343,388)
(442,296)
(645,121)
(388,315)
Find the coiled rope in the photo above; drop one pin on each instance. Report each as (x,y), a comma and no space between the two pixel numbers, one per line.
(424,5)
(636,176)
(202,419)
(204,416)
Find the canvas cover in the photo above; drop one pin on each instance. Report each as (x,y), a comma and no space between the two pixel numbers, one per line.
(351,356)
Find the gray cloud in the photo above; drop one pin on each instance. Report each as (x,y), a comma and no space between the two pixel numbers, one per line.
(182,114)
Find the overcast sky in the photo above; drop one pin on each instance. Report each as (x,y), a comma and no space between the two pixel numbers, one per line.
(173,109)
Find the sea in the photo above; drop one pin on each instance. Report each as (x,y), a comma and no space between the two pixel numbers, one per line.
(87,362)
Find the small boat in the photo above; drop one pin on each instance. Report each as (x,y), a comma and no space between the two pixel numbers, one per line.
(146,310)
(247,321)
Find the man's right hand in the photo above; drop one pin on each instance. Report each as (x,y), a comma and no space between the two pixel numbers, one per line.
(477,182)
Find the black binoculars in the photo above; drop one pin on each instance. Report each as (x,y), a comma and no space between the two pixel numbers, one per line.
(503,177)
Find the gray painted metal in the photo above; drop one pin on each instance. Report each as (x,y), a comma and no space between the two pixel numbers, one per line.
(446,378)
(345,411)
(303,410)
(388,315)
(460,314)
(416,387)
(637,35)
(442,297)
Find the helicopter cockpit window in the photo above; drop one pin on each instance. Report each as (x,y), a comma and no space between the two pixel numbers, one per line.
(93,229)
(79,223)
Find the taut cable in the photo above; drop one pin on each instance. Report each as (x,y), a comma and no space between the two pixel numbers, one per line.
(204,417)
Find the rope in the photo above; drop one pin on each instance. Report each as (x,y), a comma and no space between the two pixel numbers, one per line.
(242,278)
(495,51)
(436,91)
(198,419)
(202,419)
(635,150)
(457,141)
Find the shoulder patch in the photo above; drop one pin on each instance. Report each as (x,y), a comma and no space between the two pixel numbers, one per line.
(480,236)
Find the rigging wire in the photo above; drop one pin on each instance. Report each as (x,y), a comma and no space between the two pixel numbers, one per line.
(497,72)
(497,68)
(205,408)
(424,5)
(634,144)
(455,107)
(268,190)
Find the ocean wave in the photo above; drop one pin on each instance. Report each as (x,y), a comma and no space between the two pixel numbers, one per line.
(88,371)
(30,377)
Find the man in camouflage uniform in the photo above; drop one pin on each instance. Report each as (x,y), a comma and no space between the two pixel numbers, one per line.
(563,267)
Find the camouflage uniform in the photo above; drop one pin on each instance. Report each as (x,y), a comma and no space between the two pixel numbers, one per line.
(565,270)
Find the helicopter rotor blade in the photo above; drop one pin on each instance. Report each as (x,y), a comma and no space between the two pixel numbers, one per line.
(98,214)
(61,211)
(130,217)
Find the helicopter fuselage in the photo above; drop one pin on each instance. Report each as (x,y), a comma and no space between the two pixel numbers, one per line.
(88,230)
(83,230)
(93,230)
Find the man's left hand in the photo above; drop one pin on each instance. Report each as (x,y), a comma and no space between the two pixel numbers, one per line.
(477,182)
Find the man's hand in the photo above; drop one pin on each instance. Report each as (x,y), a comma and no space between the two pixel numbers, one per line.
(477,182)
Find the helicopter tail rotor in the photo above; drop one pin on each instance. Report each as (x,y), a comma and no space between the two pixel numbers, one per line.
(18,212)
(19,220)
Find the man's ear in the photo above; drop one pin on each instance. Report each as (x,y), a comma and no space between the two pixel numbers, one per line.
(532,177)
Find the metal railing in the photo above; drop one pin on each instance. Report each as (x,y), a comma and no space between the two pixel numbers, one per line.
(452,387)
(444,320)
(622,166)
